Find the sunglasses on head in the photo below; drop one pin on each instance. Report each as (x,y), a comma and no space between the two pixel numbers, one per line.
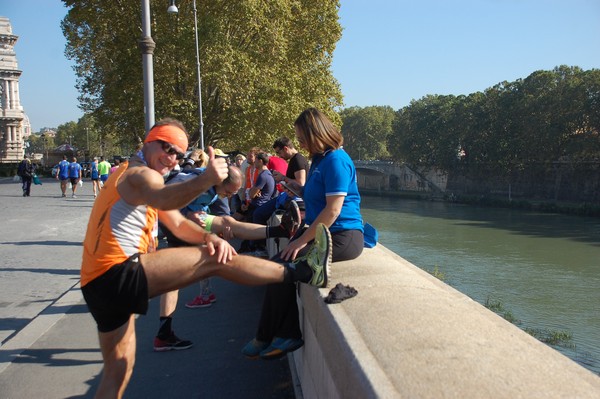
(169,149)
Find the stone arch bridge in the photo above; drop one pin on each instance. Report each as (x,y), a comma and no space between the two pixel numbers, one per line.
(395,176)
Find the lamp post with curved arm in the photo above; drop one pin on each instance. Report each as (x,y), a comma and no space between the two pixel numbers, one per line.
(147,46)
(173,10)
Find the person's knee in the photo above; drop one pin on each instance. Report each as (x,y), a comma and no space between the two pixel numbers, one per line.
(119,366)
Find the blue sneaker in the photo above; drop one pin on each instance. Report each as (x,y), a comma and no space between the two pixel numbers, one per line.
(280,347)
(253,348)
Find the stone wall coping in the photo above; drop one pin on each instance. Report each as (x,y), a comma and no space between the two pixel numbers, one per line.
(408,334)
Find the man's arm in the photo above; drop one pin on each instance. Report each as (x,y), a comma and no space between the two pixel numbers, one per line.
(300,177)
(144,186)
(183,228)
(190,232)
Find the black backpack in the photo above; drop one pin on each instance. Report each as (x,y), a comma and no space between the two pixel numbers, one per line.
(21,170)
(26,168)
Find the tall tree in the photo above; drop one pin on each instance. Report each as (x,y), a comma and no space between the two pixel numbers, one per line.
(366,131)
(262,63)
(530,123)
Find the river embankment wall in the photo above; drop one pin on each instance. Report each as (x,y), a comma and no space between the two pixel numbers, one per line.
(409,335)
(559,182)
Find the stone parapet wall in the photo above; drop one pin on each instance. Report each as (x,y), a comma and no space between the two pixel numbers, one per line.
(409,335)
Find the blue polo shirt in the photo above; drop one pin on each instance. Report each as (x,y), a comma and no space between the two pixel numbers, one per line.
(333,173)
(63,169)
(74,169)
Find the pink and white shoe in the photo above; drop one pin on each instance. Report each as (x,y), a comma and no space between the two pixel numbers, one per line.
(199,302)
(212,298)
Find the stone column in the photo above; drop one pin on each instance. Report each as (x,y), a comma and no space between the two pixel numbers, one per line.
(11,114)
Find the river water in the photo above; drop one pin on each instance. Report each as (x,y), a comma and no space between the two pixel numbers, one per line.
(543,268)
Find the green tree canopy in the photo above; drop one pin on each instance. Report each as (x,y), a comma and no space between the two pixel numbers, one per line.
(550,116)
(366,131)
(262,63)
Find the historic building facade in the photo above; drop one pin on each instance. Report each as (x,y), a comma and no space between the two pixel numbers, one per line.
(14,124)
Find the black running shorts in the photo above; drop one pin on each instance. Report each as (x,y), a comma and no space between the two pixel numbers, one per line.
(118,293)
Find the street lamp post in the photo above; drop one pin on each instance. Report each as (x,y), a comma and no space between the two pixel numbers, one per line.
(87,136)
(147,46)
(173,10)
(45,148)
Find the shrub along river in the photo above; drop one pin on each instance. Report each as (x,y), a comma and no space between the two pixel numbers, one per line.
(540,270)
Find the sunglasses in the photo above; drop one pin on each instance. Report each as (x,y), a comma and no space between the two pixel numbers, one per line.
(169,149)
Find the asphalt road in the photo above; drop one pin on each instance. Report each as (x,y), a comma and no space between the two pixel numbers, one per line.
(49,342)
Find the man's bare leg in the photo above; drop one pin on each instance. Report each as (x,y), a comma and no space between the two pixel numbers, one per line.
(165,339)
(168,270)
(118,353)
(168,303)
(173,268)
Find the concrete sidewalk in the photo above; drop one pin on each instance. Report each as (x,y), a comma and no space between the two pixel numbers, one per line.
(49,342)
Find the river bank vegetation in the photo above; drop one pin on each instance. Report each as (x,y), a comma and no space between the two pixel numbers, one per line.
(536,139)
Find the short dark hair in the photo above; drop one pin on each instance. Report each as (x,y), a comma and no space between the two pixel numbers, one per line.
(263,156)
(283,142)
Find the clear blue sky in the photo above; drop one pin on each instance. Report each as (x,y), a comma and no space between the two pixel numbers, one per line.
(391,52)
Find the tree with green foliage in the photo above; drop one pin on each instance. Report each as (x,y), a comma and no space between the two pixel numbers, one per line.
(262,63)
(366,131)
(548,117)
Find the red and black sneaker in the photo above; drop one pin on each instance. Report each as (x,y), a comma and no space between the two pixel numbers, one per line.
(171,343)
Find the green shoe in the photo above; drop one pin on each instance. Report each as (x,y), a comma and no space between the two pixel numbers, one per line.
(318,257)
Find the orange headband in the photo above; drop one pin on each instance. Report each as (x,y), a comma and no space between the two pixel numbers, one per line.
(169,133)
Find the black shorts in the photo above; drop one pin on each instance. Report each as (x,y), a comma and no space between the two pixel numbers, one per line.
(74,180)
(118,293)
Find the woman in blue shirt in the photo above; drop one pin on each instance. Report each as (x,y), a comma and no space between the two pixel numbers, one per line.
(331,197)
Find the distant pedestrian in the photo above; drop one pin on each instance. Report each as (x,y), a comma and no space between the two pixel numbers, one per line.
(115,166)
(63,175)
(95,176)
(26,171)
(104,170)
(74,175)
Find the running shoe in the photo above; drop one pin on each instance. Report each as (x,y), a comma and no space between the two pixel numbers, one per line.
(200,301)
(171,343)
(318,257)
(291,219)
(279,347)
(253,348)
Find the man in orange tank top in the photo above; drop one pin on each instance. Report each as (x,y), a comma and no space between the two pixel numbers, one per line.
(120,267)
